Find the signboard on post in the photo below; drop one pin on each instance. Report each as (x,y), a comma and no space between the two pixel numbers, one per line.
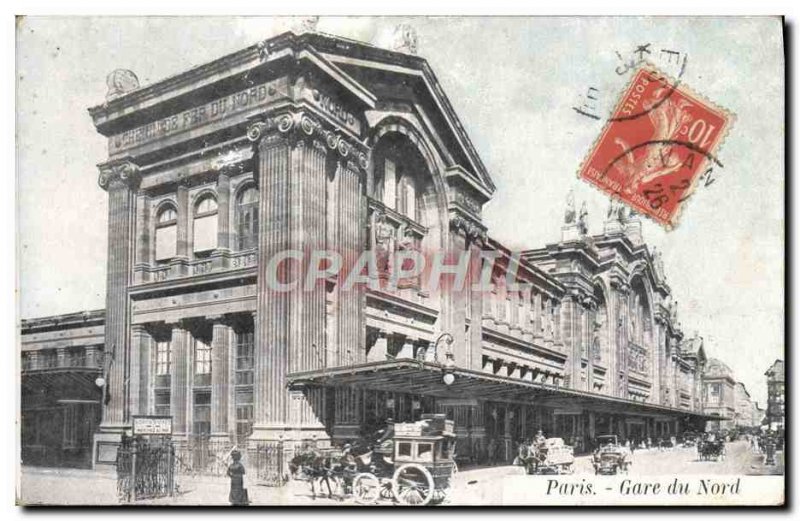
(152,425)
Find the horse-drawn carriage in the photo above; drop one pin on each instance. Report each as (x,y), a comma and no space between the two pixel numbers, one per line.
(709,449)
(610,457)
(412,466)
(550,456)
(418,469)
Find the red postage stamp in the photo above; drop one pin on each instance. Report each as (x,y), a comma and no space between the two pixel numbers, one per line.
(660,140)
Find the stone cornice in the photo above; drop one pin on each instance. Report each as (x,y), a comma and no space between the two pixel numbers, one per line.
(121,170)
(300,125)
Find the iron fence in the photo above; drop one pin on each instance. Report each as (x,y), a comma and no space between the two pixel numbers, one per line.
(204,456)
(145,469)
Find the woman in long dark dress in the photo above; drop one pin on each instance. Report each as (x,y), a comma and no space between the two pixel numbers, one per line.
(238,494)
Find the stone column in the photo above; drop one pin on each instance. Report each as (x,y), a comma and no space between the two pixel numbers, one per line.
(182,198)
(290,332)
(120,179)
(142,262)
(350,222)
(220,384)
(139,373)
(223,210)
(180,379)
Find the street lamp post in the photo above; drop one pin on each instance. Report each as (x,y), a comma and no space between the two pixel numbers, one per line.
(449,365)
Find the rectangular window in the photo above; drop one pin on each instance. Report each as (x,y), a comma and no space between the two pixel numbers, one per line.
(244,414)
(243,379)
(247,226)
(161,403)
(166,242)
(202,357)
(244,358)
(163,355)
(202,413)
(205,233)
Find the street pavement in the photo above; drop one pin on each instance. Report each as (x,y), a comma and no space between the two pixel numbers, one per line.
(473,486)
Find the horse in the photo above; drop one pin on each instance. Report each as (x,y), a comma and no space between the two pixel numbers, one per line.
(312,466)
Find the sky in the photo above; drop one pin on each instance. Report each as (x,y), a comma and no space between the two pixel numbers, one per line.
(513,81)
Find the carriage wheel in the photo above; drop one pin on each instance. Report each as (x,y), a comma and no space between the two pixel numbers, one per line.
(413,485)
(366,488)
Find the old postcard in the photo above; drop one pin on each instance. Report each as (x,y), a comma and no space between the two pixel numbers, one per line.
(406,261)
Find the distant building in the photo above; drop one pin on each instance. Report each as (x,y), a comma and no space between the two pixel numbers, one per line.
(744,407)
(775,396)
(62,357)
(720,395)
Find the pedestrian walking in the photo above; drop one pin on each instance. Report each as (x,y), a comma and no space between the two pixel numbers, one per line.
(238,494)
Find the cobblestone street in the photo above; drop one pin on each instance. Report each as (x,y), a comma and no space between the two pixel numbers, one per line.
(474,486)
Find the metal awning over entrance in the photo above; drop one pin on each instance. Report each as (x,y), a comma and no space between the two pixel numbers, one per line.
(426,378)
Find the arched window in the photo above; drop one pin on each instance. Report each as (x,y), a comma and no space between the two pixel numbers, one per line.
(247,219)
(166,233)
(205,224)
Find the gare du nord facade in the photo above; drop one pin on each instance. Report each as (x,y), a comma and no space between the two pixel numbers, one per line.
(311,142)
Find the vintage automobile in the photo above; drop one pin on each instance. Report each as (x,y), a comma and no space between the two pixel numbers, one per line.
(610,457)
(420,467)
(551,456)
(690,439)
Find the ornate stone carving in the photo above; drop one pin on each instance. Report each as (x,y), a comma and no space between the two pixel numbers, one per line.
(300,125)
(471,230)
(118,170)
(120,82)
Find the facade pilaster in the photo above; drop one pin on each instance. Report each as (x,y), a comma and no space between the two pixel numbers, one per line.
(221,386)
(291,169)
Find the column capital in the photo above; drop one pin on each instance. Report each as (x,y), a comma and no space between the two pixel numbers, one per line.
(295,126)
(123,171)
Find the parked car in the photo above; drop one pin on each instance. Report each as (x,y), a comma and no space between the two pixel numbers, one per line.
(611,457)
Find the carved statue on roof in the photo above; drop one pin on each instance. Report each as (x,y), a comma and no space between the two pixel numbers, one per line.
(583,217)
(307,24)
(569,213)
(121,81)
(658,261)
(617,210)
(673,311)
(405,39)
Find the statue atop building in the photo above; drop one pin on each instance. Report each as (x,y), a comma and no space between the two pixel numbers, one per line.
(617,210)
(306,24)
(569,213)
(583,217)
(405,39)
(120,82)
